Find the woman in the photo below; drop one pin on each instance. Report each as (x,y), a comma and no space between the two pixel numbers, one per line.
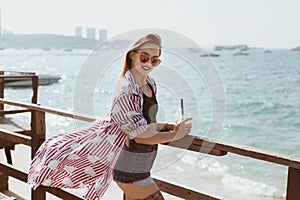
(121,146)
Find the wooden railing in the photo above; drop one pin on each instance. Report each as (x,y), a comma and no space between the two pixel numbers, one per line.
(192,143)
(3,113)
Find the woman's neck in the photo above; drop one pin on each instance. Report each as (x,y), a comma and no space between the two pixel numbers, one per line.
(139,79)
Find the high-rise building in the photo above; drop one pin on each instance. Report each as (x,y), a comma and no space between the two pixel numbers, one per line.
(102,35)
(78,31)
(90,33)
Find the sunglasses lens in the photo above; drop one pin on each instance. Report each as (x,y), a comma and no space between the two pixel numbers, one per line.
(155,61)
(144,58)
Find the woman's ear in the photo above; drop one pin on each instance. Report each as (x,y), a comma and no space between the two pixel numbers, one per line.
(131,54)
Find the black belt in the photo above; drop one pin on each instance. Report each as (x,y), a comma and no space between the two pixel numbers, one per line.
(140,148)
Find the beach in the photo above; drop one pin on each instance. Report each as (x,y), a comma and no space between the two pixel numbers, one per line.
(262,109)
(21,160)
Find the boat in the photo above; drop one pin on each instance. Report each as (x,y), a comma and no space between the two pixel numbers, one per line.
(46,49)
(210,55)
(27,82)
(241,53)
(194,50)
(296,49)
(68,49)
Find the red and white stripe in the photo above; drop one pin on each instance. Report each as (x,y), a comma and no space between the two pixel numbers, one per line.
(86,158)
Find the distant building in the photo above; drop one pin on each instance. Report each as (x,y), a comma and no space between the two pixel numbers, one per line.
(90,33)
(102,35)
(78,32)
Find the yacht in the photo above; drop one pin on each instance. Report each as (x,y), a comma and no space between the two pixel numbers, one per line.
(27,82)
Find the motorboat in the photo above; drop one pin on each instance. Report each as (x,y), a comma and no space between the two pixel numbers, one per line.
(210,55)
(296,49)
(27,82)
(241,53)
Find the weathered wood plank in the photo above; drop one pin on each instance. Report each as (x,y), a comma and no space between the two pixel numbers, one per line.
(14,125)
(182,192)
(3,181)
(5,197)
(1,91)
(22,176)
(47,110)
(8,154)
(15,137)
(38,131)
(13,172)
(61,193)
(35,85)
(9,112)
(11,195)
(204,143)
(253,153)
(188,143)
(293,184)
(38,194)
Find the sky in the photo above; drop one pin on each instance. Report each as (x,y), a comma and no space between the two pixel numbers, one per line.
(256,23)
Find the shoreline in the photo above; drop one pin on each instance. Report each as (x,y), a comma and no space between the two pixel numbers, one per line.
(21,160)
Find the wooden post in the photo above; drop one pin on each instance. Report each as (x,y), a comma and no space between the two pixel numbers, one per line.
(3,177)
(38,194)
(8,155)
(3,181)
(35,84)
(1,94)
(293,184)
(38,132)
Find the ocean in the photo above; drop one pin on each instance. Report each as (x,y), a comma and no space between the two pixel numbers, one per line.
(262,110)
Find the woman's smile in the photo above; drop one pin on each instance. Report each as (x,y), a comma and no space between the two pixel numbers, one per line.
(145,67)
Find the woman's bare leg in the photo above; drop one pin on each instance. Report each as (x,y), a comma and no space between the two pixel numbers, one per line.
(137,192)
(156,196)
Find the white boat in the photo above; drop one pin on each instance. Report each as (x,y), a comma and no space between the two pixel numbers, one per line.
(241,53)
(27,82)
(209,55)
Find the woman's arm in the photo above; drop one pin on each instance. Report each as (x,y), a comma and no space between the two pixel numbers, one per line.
(152,136)
(162,127)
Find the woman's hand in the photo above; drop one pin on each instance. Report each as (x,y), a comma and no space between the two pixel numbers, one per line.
(182,128)
(152,136)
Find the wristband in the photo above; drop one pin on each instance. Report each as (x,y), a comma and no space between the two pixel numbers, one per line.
(167,127)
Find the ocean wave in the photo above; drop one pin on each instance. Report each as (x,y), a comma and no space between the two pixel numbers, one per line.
(236,127)
(248,186)
(212,170)
(263,104)
(57,121)
(264,109)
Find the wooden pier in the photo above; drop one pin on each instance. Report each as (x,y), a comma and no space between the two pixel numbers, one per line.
(33,134)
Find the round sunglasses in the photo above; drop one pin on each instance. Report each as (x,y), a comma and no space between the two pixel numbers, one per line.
(144,57)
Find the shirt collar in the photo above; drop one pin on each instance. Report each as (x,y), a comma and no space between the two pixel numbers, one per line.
(133,86)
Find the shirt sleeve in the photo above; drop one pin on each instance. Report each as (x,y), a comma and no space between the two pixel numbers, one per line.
(127,113)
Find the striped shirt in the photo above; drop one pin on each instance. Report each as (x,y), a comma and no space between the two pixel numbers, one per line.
(85,158)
